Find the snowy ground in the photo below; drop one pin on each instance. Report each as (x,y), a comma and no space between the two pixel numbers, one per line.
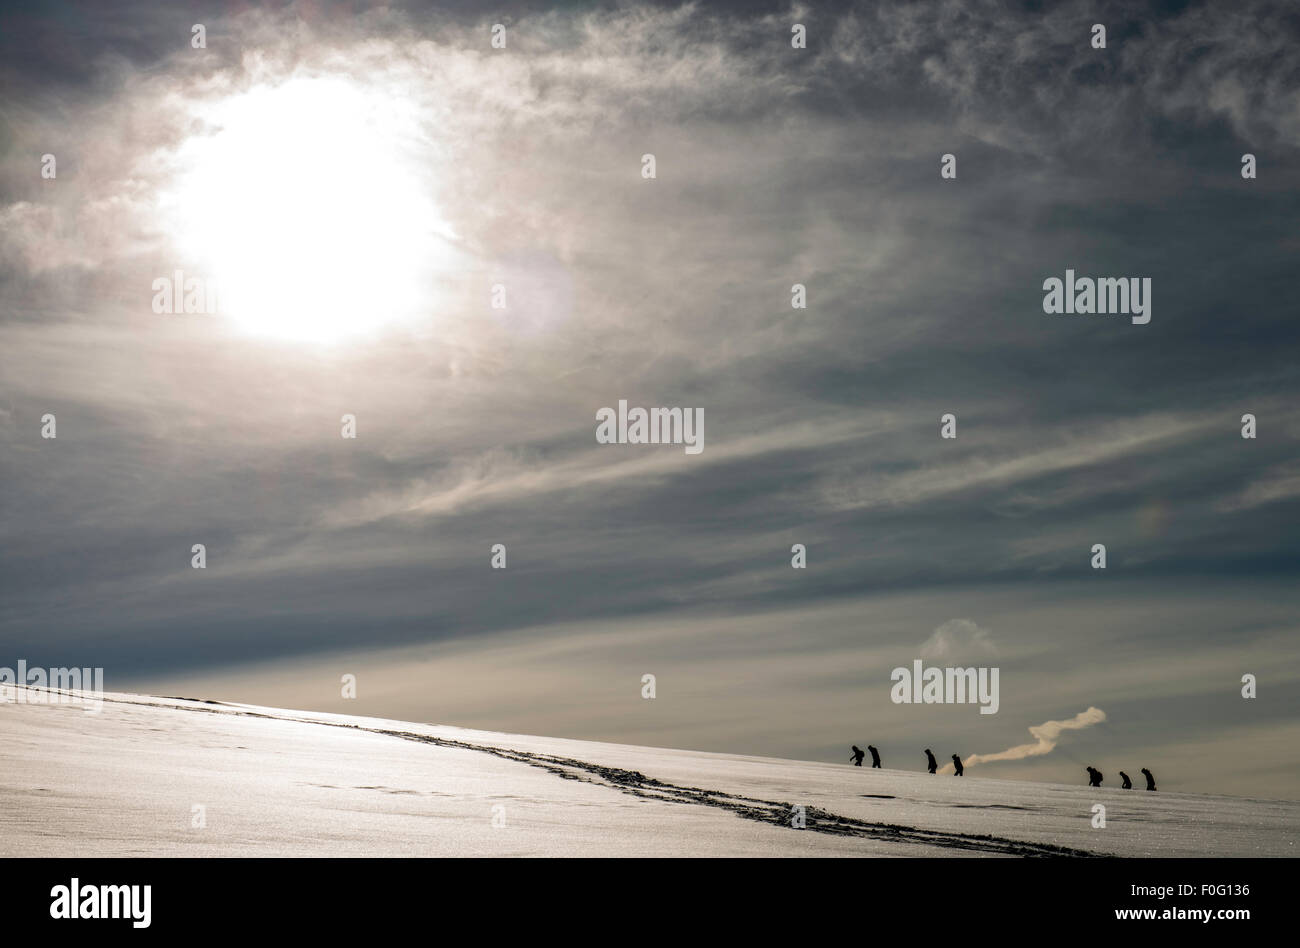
(125,782)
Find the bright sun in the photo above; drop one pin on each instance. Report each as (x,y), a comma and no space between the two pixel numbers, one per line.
(304,204)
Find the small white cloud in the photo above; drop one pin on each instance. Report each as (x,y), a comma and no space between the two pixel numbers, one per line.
(957,637)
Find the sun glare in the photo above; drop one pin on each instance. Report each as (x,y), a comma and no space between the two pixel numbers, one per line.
(305,206)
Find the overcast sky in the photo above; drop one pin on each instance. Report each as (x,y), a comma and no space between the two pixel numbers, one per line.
(402,131)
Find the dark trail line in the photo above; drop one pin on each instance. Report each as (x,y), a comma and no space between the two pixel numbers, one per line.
(772,812)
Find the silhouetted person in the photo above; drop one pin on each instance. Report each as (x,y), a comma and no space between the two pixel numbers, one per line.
(1128,784)
(1151,781)
(934,764)
(956,762)
(875,756)
(1094,777)
(858,754)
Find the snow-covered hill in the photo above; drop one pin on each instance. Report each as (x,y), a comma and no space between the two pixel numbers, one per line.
(175,777)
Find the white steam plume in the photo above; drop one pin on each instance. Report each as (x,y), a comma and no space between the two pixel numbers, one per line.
(1045,737)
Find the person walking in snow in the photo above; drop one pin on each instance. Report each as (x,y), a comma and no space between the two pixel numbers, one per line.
(858,754)
(1094,777)
(931,762)
(875,756)
(956,762)
(1151,781)
(1128,784)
